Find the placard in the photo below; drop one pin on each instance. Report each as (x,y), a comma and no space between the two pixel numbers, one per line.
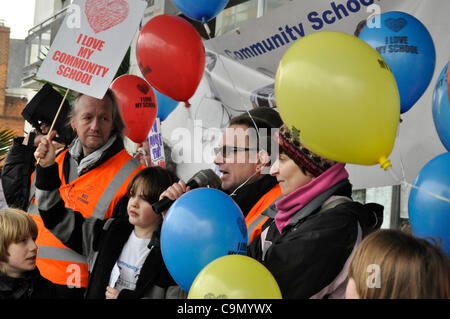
(91,44)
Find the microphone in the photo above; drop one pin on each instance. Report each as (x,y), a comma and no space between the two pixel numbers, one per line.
(205,177)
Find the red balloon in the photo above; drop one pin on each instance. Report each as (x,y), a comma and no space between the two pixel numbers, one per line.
(137,104)
(171,56)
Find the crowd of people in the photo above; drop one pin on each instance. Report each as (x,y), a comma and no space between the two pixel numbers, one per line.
(80,222)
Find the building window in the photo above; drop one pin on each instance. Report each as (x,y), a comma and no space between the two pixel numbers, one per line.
(231,18)
(270,5)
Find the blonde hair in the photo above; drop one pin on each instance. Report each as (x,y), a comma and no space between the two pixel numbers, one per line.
(15,225)
(409,267)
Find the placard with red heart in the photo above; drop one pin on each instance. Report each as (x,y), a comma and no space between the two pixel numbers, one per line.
(85,58)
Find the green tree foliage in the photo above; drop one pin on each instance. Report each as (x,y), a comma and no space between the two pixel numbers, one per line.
(6,137)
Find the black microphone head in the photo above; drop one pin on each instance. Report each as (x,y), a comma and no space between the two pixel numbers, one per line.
(207,177)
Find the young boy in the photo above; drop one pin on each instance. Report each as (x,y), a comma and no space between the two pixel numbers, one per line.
(19,276)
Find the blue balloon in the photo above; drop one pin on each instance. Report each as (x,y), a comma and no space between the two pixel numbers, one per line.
(201,10)
(200,226)
(441,108)
(407,47)
(429,215)
(165,105)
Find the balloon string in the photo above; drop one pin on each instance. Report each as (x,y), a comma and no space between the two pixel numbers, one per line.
(402,167)
(405,183)
(394,175)
(208,31)
(391,170)
(402,181)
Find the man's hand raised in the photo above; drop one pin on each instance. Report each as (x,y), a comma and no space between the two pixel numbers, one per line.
(45,152)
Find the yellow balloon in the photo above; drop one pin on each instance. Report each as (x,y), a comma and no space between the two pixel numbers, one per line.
(234,277)
(341,96)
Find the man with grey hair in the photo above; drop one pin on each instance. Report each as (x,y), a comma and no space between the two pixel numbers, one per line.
(94,169)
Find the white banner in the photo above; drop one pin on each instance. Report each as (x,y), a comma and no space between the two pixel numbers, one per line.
(91,44)
(261,43)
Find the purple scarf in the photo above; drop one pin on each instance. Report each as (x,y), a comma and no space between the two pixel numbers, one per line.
(293,202)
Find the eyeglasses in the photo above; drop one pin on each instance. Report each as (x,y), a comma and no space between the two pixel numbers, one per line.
(226,150)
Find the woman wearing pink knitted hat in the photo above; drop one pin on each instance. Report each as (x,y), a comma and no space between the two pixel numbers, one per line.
(313,230)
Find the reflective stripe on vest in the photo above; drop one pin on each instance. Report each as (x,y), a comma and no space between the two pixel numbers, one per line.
(73,172)
(254,219)
(33,209)
(253,226)
(107,195)
(113,187)
(63,254)
(32,188)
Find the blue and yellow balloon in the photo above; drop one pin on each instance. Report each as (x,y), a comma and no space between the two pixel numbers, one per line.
(407,47)
(201,10)
(341,96)
(441,108)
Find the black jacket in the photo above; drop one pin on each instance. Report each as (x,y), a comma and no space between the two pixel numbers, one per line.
(310,253)
(20,164)
(16,174)
(154,279)
(34,286)
(101,241)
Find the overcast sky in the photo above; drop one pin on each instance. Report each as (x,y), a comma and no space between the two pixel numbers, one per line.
(18,15)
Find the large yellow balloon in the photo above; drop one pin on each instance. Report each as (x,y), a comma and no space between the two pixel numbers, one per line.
(341,96)
(234,277)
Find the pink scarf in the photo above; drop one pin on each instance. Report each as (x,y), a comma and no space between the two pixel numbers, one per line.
(293,202)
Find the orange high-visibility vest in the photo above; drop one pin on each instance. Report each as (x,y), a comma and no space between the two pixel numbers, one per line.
(254,219)
(93,194)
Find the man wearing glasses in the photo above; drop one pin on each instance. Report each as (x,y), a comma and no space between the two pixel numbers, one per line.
(243,159)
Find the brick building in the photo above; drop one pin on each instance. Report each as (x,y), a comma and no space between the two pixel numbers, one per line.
(4,57)
(10,114)
(11,105)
